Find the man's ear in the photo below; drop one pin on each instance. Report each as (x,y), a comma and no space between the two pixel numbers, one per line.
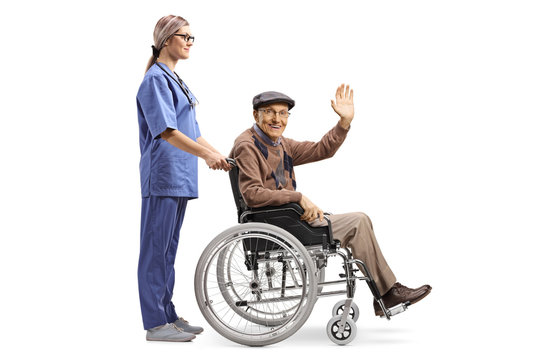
(256,115)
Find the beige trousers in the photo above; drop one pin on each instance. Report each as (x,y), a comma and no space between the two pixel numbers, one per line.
(356,231)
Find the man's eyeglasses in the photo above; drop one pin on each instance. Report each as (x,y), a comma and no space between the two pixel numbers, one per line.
(187,38)
(269,113)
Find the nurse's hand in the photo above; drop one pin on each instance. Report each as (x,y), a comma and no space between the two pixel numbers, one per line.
(216,161)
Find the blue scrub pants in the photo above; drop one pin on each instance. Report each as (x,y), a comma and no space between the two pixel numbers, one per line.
(161,220)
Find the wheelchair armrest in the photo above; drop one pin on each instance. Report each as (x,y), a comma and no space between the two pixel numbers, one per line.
(293,212)
(268,209)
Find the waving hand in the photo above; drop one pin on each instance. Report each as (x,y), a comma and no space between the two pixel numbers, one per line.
(344,106)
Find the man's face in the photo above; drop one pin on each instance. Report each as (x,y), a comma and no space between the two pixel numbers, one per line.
(270,121)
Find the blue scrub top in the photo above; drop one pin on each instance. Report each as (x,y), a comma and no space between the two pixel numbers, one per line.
(161,104)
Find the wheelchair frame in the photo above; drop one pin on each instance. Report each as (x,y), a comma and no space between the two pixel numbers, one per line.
(304,254)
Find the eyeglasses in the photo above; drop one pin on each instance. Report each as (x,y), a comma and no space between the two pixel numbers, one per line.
(187,37)
(269,113)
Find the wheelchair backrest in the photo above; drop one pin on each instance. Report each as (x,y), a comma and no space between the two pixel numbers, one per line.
(285,216)
(238,199)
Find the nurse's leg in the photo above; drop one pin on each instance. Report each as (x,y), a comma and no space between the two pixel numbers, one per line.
(158,219)
(170,258)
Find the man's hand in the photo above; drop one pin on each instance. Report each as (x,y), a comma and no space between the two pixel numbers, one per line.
(344,106)
(311,211)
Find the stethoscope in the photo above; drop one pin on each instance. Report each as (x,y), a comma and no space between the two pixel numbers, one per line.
(182,86)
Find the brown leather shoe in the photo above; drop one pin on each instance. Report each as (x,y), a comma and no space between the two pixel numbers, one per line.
(401,294)
(423,287)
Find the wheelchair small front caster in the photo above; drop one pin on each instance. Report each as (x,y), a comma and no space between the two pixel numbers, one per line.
(354,312)
(345,337)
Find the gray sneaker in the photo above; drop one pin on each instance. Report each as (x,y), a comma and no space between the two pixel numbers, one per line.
(184,325)
(168,332)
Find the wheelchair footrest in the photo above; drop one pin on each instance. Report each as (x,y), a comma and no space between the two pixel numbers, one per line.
(399,308)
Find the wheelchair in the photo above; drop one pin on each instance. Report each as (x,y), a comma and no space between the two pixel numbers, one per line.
(256,283)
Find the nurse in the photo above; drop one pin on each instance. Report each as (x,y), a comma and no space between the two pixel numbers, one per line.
(170,142)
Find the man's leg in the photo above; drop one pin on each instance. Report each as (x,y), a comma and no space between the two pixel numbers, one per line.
(355,230)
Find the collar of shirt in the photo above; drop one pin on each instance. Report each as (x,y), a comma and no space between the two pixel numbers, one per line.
(165,67)
(265,137)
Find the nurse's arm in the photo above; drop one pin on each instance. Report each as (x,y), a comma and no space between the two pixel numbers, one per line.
(205,143)
(176,138)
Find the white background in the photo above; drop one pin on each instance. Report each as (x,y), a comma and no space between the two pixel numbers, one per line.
(442,154)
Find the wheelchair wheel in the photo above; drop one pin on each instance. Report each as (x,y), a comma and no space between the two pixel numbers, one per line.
(231,295)
(354,312)
(348,334)
(255,284)
(233,292)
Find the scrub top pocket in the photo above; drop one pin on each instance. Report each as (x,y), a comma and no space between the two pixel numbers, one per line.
(168,175)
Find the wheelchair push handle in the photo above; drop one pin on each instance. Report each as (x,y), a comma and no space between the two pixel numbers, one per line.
(231,162)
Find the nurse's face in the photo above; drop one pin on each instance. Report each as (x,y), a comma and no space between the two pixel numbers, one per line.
(270,121)
(177,46)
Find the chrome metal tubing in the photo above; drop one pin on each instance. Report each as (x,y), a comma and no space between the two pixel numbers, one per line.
(277,299)
(279,289)
(350,279)
(332,293)
(344,316)
(369,279)
(332,282)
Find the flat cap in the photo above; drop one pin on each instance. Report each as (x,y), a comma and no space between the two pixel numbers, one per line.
(271,97)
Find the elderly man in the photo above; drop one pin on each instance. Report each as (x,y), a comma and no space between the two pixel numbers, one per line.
(266,178)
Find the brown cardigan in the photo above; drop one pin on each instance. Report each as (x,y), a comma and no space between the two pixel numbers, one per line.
(266,173)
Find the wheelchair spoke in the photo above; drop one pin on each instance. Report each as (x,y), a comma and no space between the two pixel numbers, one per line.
(255,285)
